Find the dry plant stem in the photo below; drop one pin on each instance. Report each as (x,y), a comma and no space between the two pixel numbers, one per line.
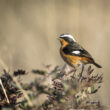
(4,91)
(17,83)
(23,91)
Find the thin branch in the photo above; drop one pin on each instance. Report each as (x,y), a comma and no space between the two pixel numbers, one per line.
(4,91)
(17,83)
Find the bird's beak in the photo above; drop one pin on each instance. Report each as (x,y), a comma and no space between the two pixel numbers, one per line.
(59,38)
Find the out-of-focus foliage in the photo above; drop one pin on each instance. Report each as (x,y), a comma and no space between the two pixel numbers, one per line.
(65,90)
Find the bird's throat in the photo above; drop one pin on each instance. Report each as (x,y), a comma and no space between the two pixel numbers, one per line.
(63,43)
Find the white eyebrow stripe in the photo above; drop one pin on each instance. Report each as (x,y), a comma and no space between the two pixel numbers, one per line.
(68,35)
(76,52)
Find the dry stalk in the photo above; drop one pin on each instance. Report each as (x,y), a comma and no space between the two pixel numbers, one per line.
(4,91)
(17,83)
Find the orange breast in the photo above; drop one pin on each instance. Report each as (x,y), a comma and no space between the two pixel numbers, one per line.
(74,61)
(63,42)
(71,60)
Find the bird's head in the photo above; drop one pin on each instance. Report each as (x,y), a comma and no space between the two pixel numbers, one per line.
(66,39)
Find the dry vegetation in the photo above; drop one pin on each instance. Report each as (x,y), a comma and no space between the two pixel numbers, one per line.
(65,90)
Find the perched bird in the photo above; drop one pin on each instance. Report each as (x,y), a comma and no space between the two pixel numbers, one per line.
(74,54)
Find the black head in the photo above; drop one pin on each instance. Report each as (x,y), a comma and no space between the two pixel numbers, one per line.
(67,37)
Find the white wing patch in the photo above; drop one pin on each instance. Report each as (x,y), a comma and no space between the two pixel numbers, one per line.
(76,52)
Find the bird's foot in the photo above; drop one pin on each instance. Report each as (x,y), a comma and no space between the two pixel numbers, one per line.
(80,77)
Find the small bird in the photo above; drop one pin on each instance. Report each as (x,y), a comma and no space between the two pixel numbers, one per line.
(74,54)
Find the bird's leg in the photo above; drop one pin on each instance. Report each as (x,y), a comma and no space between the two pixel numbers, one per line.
(87,76)
(82,69)
(74,71)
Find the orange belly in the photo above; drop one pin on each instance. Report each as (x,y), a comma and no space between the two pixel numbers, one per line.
(74,61)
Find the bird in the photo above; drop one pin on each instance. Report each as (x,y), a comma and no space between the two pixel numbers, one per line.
(74,54)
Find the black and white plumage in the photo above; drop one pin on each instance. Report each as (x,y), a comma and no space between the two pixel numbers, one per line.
(72,48)
(76,49)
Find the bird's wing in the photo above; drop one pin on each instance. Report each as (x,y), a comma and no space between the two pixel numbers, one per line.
(76,50)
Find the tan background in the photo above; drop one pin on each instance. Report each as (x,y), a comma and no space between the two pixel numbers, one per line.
(29,30)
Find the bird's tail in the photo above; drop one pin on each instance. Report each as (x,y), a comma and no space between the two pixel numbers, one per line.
(97,65)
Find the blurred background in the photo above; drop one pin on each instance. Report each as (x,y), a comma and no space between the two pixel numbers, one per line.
(29,30)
